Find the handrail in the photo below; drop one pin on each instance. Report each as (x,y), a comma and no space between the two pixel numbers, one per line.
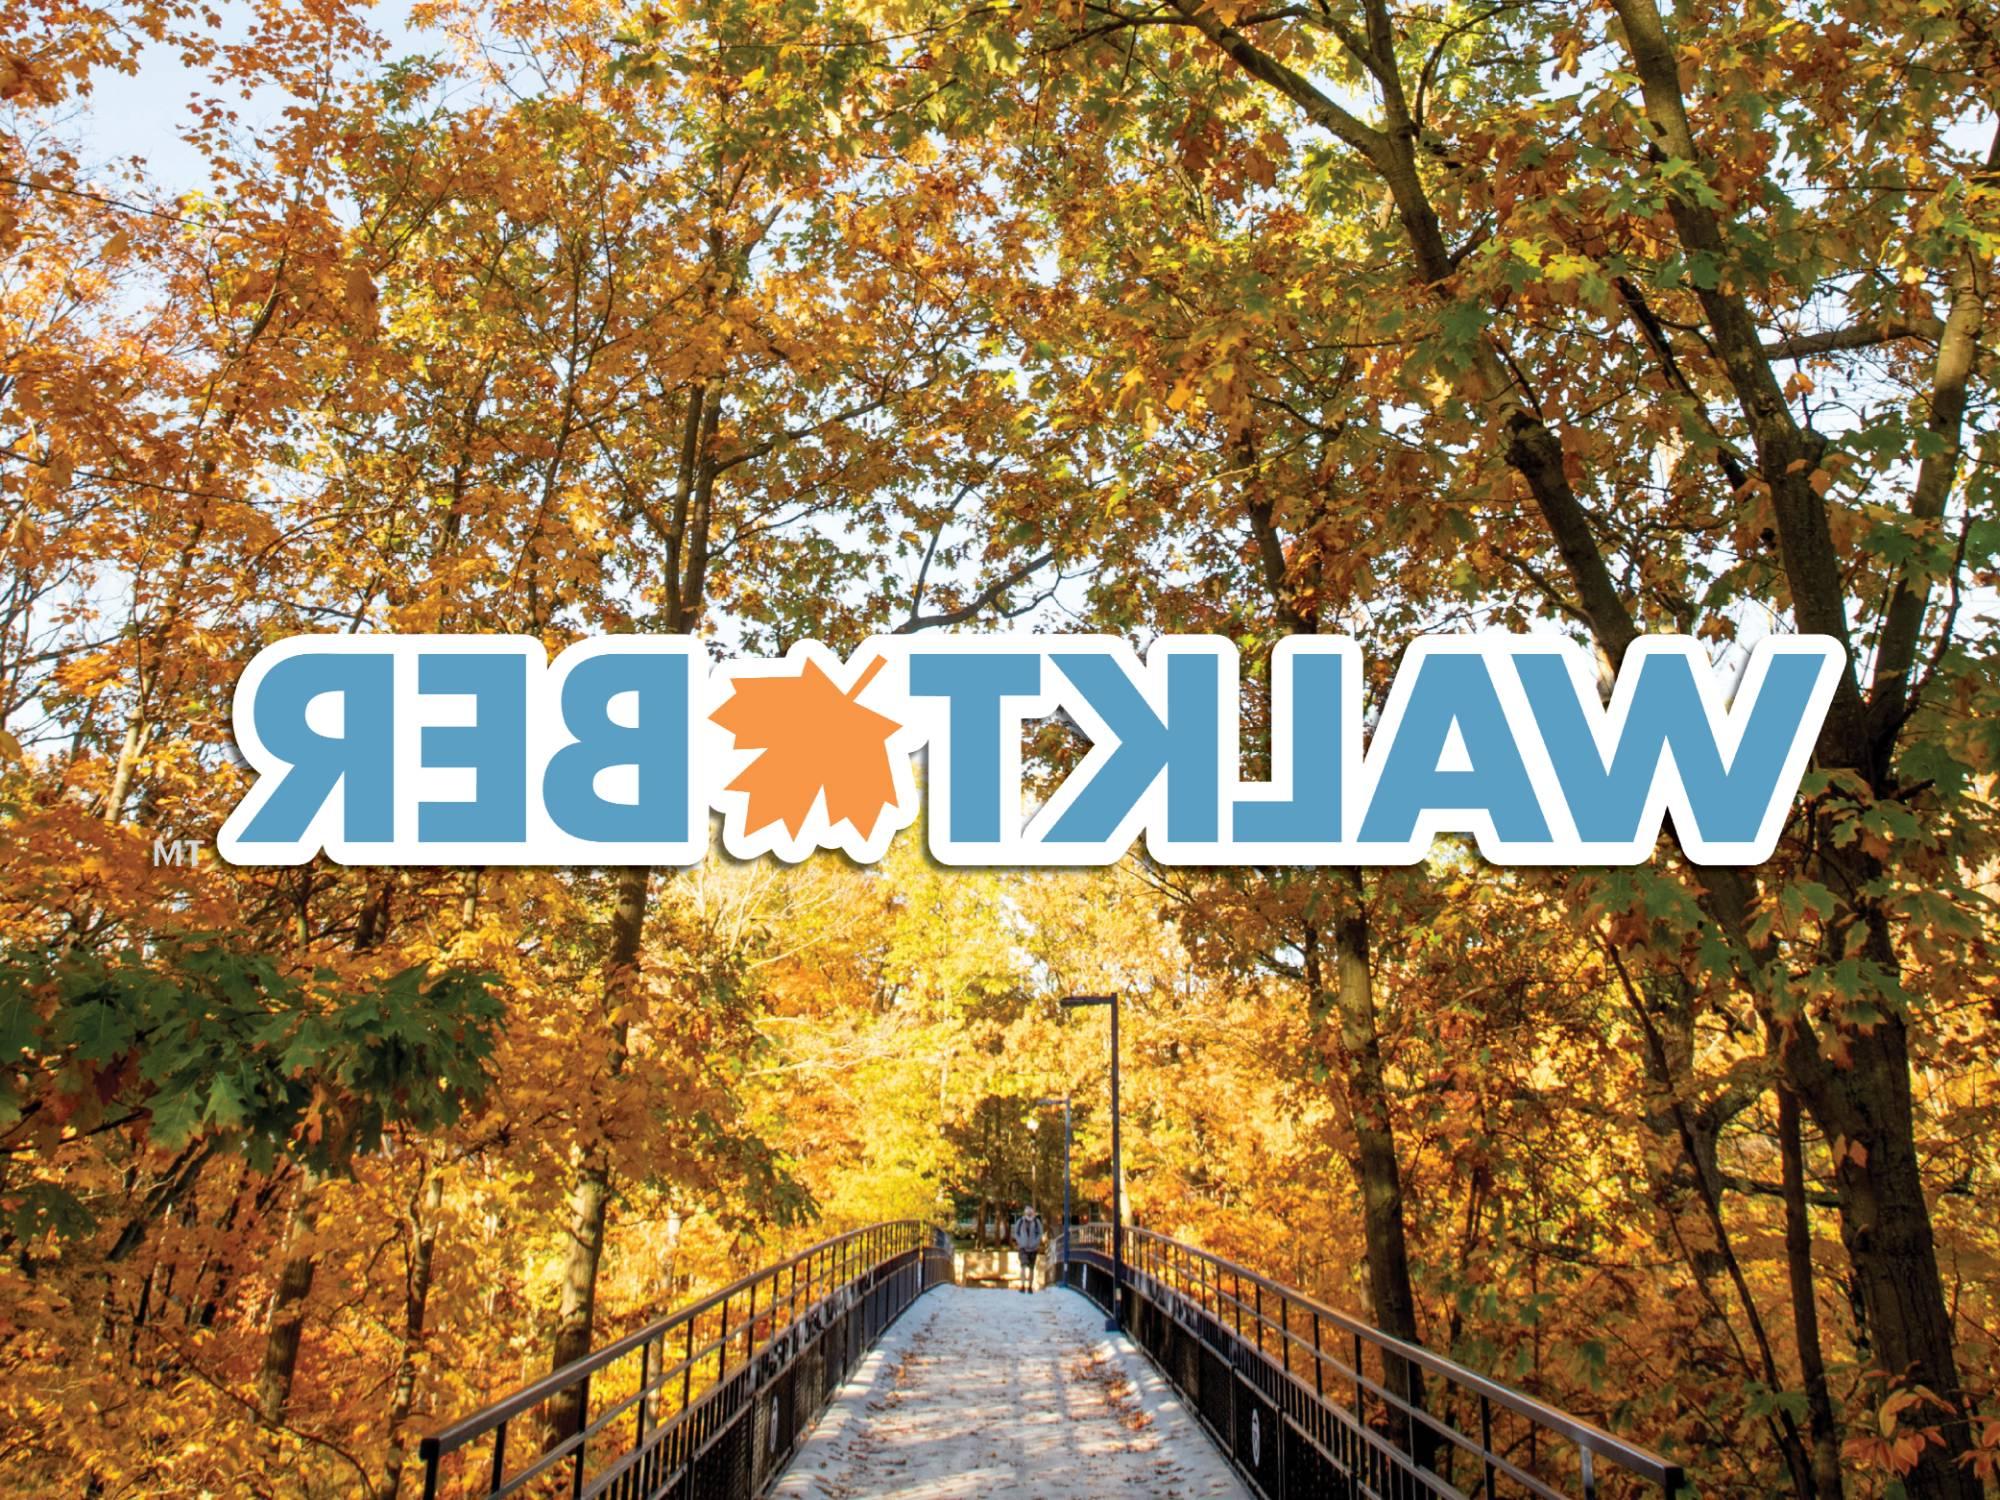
(1176,1291)
(705,1383)
(479,1423)
(1578,1429)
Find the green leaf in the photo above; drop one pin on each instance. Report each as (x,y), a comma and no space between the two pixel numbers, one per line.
(175,1118)
(41,1208)
(226,1105)
(20,1024)
(99,1032)
(1462,322)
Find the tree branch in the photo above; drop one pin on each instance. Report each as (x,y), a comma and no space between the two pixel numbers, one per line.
(1854,336)
(984,599)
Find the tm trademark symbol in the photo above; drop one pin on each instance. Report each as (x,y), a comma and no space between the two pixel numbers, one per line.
(177,852)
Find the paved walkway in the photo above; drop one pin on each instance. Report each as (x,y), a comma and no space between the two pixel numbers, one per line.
(984,1394)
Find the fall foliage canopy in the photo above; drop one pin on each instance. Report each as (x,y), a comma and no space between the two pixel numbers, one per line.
(765,320)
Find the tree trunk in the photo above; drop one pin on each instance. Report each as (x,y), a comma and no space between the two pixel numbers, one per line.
(286,1325)
(137,733)
(590,1196)
(1386,1239)
(1885,1223)
(1863,1107)
(685,567)
(1783,1427)
(1820,1424)
(1669,1069)
(416,1299)
(589,1199)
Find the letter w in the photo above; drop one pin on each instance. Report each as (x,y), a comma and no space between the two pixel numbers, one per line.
(1735,770)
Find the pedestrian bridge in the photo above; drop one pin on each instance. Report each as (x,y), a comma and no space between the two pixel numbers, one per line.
(858,1369)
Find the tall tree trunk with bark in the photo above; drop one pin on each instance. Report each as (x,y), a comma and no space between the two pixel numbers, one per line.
(1820,1424)
(1670,1069)
(285,1326)
(1378,1169)
(1374,1134)
(1782,1426)
(423,1227)
(590,1195)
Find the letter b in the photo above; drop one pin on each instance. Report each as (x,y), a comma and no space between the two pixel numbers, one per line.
(656,747)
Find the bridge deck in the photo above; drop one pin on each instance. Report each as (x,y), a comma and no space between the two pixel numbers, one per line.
(985,1394)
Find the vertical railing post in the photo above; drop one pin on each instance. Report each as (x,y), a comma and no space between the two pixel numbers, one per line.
(1412,1440)
(645,1396)
(1319,1362)
(1585,1459)
(1117,1187)
(582,1437)
(1486,1440)
(499,1456)
(687,1365)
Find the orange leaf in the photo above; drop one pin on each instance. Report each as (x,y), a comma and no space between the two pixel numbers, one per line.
(814,739)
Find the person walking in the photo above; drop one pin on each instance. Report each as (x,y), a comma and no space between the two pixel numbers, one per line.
(1028,1241)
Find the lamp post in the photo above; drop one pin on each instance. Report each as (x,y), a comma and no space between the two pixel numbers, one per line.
(1035,1159)
(1065,1103)
(1117,1319)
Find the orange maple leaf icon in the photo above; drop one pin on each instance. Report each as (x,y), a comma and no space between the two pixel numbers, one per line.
(811,738)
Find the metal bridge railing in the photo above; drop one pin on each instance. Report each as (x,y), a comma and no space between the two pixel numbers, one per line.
(1307,1401)
(709,1401)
